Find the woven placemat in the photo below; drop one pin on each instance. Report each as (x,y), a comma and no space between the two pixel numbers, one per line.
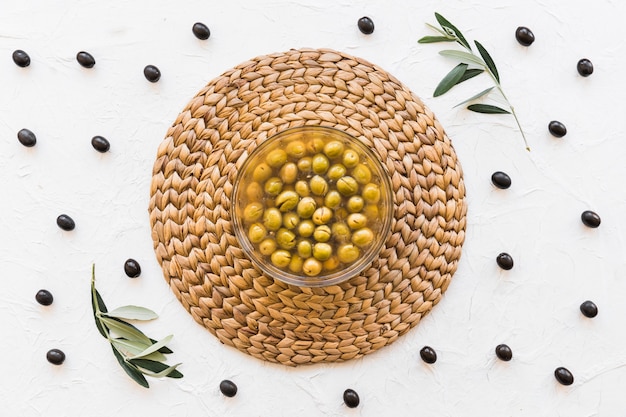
(192,185)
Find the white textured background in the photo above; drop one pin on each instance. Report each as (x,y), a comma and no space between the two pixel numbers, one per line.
(533,308)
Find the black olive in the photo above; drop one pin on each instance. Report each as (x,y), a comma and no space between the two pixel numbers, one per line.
(55,356)
(564,376)
(585,67)
(65,222)
(85,59)
(589,309)
(152,73)
(366,25)
(44,297)
(201,31)
(501,180)
(590,219)
(228,388)
(524,36)
(505,261)
(132,268)
(557,129)
(21,58)
(100,144)
(351,398)
(428,354)
(27,138)
(504,352)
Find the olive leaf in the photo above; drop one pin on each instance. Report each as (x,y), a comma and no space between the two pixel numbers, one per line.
(152,348)
(435,39)
(459,74)
(136,353)
(157,368)
(443,22)
(124,329)
(487,108)
(131,370)
(470,73)
(487,58)
(476,96)
(463,56)
(133,348)
(450,80)
(133,313)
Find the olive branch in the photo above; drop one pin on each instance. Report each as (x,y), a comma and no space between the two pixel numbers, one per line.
(136,353)
(462,72)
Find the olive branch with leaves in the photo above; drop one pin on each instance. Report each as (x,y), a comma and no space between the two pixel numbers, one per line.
(136,353)
(462,72)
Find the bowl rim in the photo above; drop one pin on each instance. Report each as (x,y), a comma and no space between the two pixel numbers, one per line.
(335,277)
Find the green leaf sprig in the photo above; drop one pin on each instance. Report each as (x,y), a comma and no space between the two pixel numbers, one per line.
(136,353)
(462,72)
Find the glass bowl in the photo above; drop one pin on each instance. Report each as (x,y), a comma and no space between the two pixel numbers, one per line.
(312,206)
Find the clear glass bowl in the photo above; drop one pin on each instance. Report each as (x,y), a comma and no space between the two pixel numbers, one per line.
(312,206)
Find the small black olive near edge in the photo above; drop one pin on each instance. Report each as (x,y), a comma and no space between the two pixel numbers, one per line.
(564,376)
(351,398)
(366,25)
(228,388)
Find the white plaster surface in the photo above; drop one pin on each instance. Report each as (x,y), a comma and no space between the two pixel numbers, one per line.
(534,308)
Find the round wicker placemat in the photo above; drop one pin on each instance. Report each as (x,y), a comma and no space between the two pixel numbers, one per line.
(190,203)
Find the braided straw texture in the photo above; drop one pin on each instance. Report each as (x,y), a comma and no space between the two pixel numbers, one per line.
(190,204)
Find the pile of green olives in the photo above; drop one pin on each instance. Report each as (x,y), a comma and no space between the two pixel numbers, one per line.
(311,205)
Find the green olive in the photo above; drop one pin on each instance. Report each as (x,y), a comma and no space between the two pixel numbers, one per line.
(350,158)
(341,232)
(363,237)
(290,220)
(254,191)
(286,239)
(306,207)
(287,200)
(312,267)
(305,248)
(318,185)
(252,212)
(296,263)
(333,149)
(322,233)
(306,228)
(288,173)
(332,199)
(320,164)
(371,212)
(305,164)
(331,263)
(257,233)
(272,219)
(322,215)
(273,186)
(335,172)
(371,193)
(281,258)
(267,246)
(322,251)
(356,221)
(262,172)
(348,253)
(302,188)
(276,158)
(355,204)
(362,174)
(347,185)
(296,149)
(315,145)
